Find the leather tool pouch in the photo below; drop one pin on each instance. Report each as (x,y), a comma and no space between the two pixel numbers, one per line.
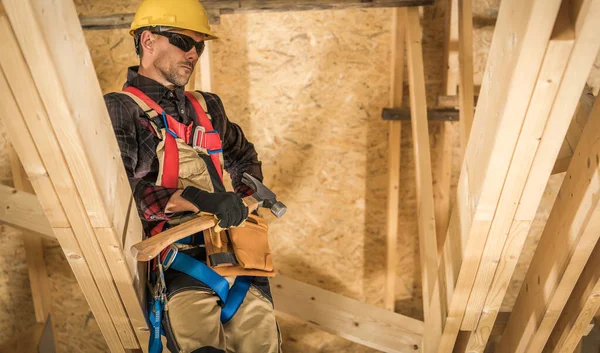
(244,251)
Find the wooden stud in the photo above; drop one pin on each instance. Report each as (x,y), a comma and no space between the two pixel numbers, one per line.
(34,246)
(493,264)
(425,208)
(465,58)
(98,210)
(22,210)
(536,315)
(510,77)
(216,8)
(574,133)
(206,69)
(358,322)
(394,145)
(36,170)
(30,103)
(584,302)
(450,72)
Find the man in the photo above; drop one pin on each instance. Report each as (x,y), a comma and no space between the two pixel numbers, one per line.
(153,122)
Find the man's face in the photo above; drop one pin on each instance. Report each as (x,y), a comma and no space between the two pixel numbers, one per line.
(172,63)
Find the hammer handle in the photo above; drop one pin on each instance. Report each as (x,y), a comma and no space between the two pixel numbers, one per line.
(149,248)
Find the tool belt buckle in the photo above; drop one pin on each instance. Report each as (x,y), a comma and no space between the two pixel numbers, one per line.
(198,139)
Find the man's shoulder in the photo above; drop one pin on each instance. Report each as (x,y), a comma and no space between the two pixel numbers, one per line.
(212,99)
(117,98)
(121,107)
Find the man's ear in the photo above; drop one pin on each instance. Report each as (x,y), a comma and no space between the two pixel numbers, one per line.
(147,40)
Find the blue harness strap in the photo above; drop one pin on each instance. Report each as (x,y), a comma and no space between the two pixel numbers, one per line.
(156,309)
(237,293)
(197,269)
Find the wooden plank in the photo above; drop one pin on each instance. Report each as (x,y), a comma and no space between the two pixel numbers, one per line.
(394,145)
(545,91)
(465,58)
(98,209)
(537,314)
(428,248)
(215,8)
(22,210)
(358,322)
(450,72)
(404,114)
(34,246)
(508,84)
(451,101)
(70,197)
(420,132)
(100,176)
(39,177)
(574,133)
(206,69)
(583,303)
(441,187)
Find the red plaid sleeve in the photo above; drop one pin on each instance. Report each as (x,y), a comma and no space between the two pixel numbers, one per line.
(152,200)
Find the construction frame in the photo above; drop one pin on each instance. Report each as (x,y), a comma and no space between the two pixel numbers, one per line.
(531,122)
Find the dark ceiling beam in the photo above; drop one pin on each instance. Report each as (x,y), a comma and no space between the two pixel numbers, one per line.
(216,8)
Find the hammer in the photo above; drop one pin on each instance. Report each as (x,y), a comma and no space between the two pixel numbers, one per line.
(149,248)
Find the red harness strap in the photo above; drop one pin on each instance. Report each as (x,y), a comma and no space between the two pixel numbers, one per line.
(212,140)
(170,175)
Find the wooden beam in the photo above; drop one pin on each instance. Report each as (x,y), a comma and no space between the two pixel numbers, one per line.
(216,8)
(22,210)
(508,84)
(359,322)
(394,145)
(535,315)
(450,72)
(205,69)
(428,249)
(574,133)
(545,91)
(34,245)
(449,101)
(404,114)
(44,187)
(583,303)
(465,58)
(91,181)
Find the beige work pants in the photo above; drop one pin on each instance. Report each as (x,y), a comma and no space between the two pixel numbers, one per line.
(192,324)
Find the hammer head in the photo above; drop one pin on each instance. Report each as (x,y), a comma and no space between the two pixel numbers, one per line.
(264,196)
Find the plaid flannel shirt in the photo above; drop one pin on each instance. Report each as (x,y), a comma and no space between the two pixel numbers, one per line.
(138,142)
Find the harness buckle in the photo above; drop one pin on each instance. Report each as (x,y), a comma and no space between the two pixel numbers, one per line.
(169,257)
(198,139)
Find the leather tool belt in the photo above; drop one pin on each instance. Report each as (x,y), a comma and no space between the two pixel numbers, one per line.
(240,251)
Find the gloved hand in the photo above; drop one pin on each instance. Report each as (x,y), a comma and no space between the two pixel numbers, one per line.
(227,206)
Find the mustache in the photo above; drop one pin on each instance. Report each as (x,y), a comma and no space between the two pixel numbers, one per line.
(188,64)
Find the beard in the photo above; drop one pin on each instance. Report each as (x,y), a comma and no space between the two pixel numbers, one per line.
(171,74)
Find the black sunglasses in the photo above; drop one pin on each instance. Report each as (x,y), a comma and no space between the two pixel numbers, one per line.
(183,42)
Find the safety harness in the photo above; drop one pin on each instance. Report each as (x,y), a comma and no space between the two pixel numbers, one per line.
(204,138)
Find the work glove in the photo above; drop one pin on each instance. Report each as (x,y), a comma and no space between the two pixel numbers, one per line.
(227,206)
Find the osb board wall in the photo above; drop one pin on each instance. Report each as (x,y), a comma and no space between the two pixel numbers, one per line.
(308,89)
(16,305)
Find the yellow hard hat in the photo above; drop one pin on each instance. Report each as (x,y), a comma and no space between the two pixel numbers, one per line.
(184,14)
